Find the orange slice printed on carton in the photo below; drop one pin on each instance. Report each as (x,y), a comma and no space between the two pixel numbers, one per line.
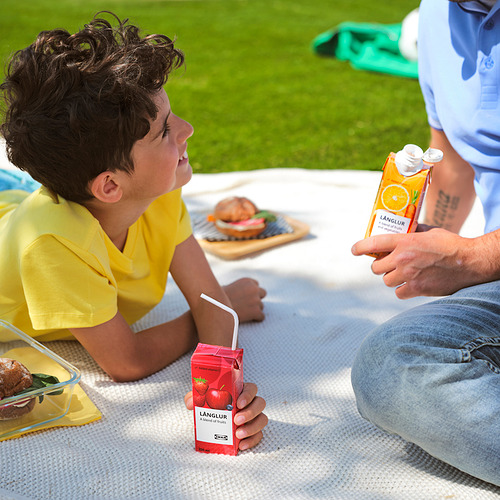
(395,198)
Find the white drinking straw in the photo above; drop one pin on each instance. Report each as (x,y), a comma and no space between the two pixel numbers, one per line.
(229,310)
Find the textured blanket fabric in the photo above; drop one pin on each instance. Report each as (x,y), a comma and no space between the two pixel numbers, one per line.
(321,303)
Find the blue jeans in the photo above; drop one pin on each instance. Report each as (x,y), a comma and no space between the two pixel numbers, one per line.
(432,376)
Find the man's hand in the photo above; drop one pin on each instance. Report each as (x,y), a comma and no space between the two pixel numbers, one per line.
(250,419)
(430,263)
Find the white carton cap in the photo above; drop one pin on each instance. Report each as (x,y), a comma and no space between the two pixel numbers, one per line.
(410,160)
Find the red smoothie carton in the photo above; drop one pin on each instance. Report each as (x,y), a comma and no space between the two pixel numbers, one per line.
(217,379)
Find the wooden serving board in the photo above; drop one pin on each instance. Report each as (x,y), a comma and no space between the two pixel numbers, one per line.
(236,249)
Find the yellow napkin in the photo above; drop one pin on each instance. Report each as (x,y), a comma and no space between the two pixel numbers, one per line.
(81,409)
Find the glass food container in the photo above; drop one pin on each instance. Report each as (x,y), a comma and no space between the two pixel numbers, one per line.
(52,402)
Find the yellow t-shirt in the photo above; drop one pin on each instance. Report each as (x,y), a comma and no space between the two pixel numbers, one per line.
(60,270)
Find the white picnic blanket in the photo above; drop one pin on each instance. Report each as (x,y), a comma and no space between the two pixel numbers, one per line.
(321,303)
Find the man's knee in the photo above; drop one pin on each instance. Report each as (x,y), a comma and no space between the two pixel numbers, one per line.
(373,376)
(391,370)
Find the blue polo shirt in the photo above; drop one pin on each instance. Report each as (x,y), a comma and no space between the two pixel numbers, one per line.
(459,72)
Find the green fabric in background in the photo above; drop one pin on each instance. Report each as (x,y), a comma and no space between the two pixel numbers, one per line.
(367,46)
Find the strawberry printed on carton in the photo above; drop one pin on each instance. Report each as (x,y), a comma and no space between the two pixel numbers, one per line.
(198,399)
(200,385)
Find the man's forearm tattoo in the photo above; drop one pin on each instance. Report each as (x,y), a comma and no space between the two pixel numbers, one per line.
(445,209)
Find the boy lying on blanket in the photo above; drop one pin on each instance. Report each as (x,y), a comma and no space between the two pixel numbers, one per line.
(88,253)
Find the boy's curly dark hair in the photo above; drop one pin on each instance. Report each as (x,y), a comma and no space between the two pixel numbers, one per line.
(76,103)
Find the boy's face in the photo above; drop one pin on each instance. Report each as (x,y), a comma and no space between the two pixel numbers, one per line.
(161,163)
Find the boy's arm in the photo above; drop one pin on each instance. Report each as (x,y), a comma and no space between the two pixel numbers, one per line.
(451,193)
(125,355)
(193,275)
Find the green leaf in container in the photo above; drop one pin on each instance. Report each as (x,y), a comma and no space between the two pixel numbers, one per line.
(41,380)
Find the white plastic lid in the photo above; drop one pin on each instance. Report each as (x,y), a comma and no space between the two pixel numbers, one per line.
(433,155)
(410,160)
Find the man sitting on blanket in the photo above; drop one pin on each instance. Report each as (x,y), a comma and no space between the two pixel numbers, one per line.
(432,375)
(88,253)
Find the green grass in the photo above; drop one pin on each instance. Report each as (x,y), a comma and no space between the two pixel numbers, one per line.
(256,94)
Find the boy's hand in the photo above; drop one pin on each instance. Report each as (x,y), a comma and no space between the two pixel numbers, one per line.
(246,297)
(250,419)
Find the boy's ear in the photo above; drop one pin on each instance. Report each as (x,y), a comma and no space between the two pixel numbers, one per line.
(106,188)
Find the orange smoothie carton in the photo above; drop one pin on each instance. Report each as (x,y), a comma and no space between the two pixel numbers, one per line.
(217,379)
(405,178)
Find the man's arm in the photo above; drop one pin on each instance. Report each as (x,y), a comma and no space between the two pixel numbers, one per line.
(451,193)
